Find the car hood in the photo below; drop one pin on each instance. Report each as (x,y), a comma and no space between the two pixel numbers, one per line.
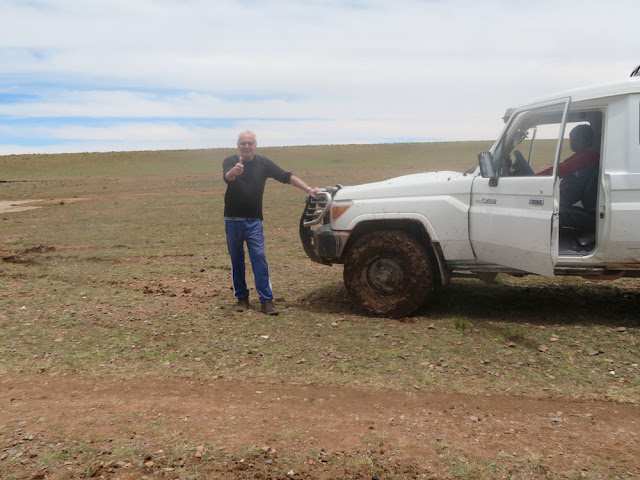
(419,184)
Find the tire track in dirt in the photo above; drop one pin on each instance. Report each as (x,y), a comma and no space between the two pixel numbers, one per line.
(411,426)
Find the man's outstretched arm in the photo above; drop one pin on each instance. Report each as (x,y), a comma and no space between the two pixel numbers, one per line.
(299,183)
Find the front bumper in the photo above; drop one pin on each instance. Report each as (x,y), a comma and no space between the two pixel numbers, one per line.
(329,244)
(323,245)
(320,242)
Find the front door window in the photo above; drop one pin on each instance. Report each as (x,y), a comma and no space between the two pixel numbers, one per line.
(531,143)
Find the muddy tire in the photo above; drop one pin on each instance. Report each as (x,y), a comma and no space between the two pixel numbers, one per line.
(388,274)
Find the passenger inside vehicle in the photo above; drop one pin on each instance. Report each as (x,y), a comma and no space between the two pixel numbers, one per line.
(578,190)
(580,141)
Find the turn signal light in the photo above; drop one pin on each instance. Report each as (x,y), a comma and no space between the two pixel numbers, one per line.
(337,209)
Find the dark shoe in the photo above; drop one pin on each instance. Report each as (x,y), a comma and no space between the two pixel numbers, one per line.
(242,305)
(269,308)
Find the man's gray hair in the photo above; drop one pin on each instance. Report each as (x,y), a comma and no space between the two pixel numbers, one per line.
(247,132)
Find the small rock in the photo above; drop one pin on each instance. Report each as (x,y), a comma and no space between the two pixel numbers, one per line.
(557,420)
(199,451)
(474,419)
(593,353)
(542,348)
(621,329)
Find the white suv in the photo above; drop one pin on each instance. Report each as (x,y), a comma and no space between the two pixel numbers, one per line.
(400,238)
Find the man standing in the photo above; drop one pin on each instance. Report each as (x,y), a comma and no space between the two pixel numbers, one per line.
(245,175)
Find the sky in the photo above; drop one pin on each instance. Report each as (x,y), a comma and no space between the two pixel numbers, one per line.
(125,75)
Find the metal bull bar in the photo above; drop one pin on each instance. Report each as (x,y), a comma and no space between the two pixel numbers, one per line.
(315,212)
(316,209)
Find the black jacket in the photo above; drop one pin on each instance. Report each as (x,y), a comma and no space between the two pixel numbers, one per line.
(243,197)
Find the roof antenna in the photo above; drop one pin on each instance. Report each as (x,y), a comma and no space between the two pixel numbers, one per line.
(636,72)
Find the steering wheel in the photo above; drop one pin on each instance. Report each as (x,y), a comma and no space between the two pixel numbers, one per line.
(519,164)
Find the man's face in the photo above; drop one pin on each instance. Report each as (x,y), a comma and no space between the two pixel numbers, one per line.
(247,145)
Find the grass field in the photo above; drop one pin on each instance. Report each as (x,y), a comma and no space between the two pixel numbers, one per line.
(121,272)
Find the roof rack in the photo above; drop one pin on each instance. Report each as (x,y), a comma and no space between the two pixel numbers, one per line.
(636,72)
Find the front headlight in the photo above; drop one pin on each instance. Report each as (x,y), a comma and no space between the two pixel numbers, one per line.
(338,208)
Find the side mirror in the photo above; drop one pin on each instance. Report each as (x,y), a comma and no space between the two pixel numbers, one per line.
(487,170)
(485,161)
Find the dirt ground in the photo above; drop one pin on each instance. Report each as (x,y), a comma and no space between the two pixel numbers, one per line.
(83,426)
(12,206)
(411,431)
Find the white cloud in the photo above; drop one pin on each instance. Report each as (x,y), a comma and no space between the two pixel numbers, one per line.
(356,70)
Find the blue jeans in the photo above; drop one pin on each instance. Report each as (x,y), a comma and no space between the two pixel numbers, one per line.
(250,232)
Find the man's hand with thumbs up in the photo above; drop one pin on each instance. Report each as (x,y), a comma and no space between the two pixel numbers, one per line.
(236,171)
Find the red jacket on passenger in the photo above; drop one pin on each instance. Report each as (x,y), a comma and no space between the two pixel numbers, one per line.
(575,162)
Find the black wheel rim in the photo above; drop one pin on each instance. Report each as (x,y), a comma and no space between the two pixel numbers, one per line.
(385,275)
